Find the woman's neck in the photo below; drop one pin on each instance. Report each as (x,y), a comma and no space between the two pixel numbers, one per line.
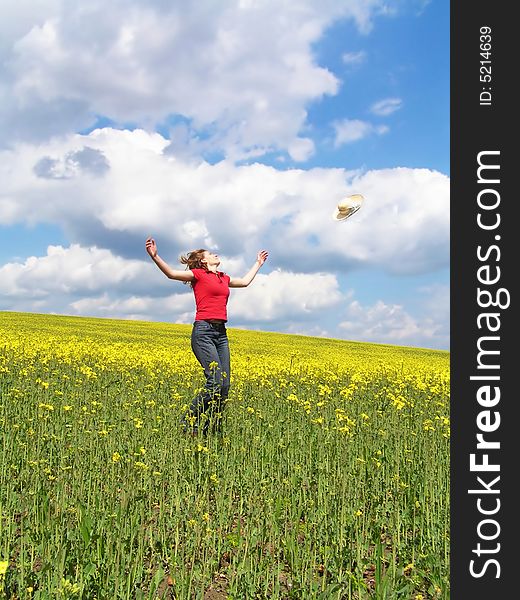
(212,268)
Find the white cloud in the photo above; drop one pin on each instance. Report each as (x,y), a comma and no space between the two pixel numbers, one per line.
(176,308)
(386,107)
(301,149)
(73,270)
(285,296)
(92,281)
(402,228)
(353,130)
(308,330)
(242,73)
(384,323)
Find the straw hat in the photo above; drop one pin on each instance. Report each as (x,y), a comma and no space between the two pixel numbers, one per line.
(347,207)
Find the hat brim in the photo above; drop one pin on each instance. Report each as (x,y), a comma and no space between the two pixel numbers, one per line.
(342,215)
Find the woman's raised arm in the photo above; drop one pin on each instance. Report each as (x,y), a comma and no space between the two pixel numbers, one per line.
(151,248)
(238,282)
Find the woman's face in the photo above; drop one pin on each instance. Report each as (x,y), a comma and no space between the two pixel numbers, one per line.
(211,259)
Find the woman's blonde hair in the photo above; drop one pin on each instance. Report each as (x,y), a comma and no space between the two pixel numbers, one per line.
(193,260)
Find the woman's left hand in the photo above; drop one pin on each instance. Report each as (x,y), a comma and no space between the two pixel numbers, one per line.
(261,257)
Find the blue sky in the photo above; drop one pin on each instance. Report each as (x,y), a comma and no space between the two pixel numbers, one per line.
(234,126)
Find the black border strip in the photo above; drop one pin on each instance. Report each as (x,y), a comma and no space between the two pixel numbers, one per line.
(482,123)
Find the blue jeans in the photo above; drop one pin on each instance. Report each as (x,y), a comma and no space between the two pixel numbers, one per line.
(210,345)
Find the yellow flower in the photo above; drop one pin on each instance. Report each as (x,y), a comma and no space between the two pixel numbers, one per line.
(116,457)
(3,567)
(68,588)
(141,465)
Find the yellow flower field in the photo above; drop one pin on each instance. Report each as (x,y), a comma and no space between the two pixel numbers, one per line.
(330,478)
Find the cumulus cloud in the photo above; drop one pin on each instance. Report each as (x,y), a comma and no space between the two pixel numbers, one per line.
(285,296)
(174,308)
(240,73)
(391,323)
(73,270)
(93,281)
(348,131)
(236,210)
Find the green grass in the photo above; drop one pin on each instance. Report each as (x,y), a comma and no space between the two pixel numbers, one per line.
(330,479)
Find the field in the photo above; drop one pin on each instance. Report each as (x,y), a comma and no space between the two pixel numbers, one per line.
(330,479)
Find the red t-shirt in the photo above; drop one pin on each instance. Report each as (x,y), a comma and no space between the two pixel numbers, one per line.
(211,294)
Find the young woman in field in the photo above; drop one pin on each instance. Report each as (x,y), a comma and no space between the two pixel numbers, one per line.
(209,340)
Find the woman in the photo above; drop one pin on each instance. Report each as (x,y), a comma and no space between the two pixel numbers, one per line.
(209,340)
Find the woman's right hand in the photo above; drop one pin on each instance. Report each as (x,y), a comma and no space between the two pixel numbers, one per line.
(151,247)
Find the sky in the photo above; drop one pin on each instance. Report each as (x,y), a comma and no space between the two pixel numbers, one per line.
(236,126)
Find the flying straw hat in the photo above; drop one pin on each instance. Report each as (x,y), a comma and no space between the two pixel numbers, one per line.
(347,207)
